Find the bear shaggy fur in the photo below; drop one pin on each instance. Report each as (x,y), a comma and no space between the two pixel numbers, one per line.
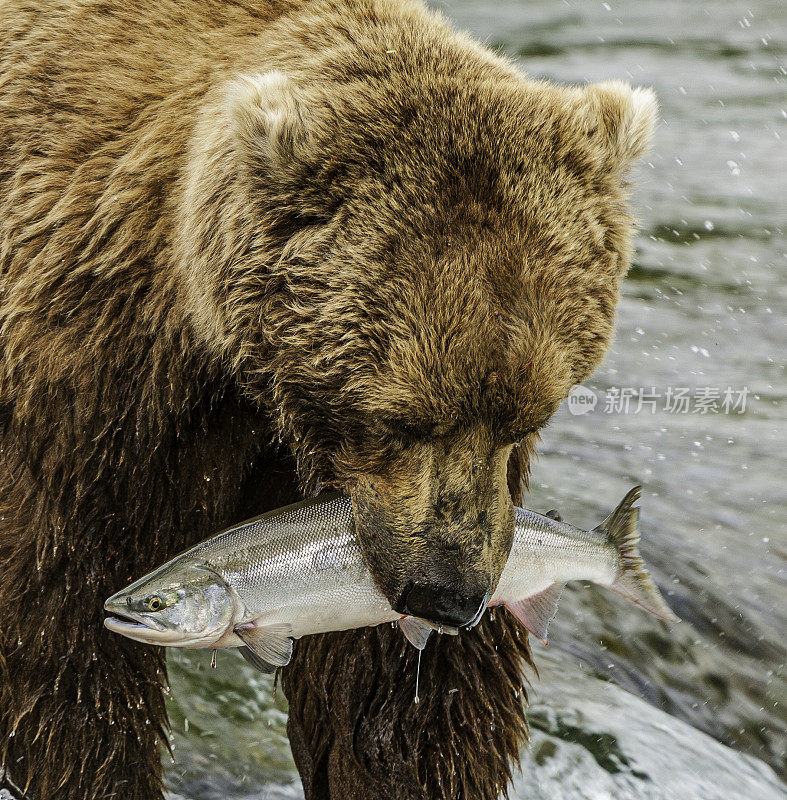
(249,249)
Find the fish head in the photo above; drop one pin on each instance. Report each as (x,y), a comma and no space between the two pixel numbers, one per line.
(188,606)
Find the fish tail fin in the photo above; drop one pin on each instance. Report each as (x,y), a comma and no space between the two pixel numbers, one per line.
(633,581)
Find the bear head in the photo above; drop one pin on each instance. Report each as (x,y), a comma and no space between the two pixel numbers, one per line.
(410,259)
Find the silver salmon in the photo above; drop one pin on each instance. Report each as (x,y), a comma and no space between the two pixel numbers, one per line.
(299,570)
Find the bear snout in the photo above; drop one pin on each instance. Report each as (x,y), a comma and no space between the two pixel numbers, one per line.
(442,603)
(445,590)
(441,567)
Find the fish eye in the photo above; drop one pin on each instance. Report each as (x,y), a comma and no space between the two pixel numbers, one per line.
(155,603)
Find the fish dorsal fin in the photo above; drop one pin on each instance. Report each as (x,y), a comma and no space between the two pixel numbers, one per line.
(268,643)
(416,631)
(535,612)
(622,525)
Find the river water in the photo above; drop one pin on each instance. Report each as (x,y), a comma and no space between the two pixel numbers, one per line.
(689,402)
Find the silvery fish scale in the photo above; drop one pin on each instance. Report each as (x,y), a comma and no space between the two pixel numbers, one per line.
(301,566)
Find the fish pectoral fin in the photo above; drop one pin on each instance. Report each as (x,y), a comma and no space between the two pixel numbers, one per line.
(536,612)
(269,643)
(256,661)
(416,631)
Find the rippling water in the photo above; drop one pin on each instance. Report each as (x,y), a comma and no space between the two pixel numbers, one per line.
(635,710)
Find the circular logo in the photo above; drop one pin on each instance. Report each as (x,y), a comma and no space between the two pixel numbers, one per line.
(581,400)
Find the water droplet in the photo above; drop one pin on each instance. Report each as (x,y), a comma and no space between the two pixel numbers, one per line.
(418,677)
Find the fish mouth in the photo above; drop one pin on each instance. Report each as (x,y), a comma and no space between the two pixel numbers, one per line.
(127,623)
(148,632)
(133,630)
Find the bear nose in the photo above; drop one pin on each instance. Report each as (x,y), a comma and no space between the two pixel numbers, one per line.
(444,605)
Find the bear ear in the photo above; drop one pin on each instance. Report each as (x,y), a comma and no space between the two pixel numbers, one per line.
(623,118)
(268,121)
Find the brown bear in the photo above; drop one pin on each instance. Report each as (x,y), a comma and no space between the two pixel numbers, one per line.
(250,249)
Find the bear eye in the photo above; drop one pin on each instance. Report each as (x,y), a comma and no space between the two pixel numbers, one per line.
(409,431)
